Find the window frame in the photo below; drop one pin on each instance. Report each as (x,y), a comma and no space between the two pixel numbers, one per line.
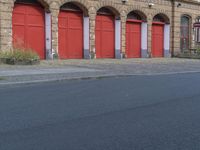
(197,30)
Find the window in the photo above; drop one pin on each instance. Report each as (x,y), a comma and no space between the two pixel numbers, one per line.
(184,39)
(197,30)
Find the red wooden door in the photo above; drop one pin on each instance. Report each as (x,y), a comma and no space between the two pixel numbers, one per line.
(158,40)
(28,24)
(105,36)
(133,39)
(70,35)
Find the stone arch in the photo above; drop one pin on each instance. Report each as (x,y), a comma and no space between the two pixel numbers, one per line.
(82,4)
(189,18)
(162,16)
(187,15)
(139,13)
(44,3)
(138,10)
(111,6)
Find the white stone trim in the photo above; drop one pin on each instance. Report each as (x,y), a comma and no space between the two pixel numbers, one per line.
(144,39)
(48,35)
(86,33)
(118,39)
(167,40)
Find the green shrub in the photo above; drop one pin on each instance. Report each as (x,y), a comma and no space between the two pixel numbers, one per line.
(55,55)
(19,55)
(198,50)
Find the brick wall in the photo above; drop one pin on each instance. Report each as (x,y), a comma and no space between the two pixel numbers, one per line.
(167,8)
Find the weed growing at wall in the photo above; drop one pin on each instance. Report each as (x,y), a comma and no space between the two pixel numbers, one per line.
(19,56)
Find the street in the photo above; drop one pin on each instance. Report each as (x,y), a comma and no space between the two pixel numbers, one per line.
(155,112)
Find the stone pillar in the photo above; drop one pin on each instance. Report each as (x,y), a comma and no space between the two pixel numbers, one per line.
(123,36)
(149,45)
(167,41)
(86,25)
(6,25)
(118,39)
(92,36)
(144,38)
(54,13)
(48,36)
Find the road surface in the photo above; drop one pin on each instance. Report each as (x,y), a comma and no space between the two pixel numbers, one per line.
(160,112)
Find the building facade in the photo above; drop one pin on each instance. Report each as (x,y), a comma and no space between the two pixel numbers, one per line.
(76,29)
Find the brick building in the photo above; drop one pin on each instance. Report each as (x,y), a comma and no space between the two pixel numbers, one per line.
(100,28)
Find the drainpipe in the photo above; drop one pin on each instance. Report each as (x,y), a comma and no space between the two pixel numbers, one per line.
(173,27)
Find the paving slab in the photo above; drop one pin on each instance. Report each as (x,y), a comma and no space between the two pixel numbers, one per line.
(58,70)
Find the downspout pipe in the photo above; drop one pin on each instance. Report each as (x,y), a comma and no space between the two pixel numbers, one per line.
(173,26)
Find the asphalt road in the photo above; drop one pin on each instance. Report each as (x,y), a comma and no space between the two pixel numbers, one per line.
(129,113)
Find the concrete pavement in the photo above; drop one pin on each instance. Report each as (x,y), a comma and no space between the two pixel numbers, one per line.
(78,69)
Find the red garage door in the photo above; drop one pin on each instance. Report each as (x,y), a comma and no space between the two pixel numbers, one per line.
(105,36)
(133,39)
(70,35)
(29,28)
(158,40)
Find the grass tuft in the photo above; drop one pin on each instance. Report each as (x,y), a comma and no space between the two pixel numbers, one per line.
(1,78)
(18,55)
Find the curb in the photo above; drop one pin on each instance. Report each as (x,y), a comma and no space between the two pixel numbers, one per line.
(92,77)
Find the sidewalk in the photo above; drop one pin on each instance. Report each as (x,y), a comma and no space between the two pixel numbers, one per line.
(58,70)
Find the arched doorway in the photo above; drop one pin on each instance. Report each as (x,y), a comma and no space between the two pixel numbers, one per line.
(135,35)
(70,32)
(185,32)
(105,33)
(28,23)
(160,36)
